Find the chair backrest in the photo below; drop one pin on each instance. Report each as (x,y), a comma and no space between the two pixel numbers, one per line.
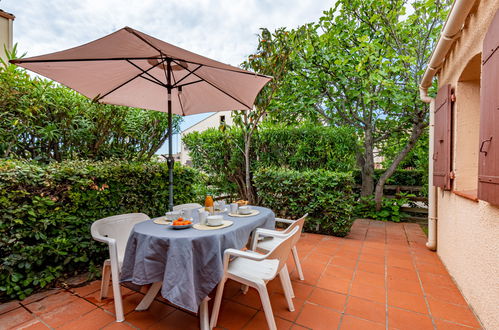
(117,227)
(187,206)
(281,251)
(298,223)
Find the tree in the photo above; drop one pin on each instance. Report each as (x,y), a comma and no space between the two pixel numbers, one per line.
(44,121)
(360,65)
(271,58)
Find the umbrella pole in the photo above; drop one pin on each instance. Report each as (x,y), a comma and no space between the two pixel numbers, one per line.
(171,161)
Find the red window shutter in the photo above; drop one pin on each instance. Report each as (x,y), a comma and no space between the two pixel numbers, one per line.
(488,161)
(442,139)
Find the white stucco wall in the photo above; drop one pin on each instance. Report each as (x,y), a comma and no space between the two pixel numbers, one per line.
(468,231)
(212,121)
(468,244)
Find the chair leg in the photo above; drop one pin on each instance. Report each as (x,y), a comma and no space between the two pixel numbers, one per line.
(286,286)
(106,276)
(149,297)
(288,281)
(118,301)
(297,263)
(218,301)
(267,307)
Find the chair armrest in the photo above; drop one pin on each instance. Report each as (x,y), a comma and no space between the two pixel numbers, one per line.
(288,221)
(98,237)
(270,232)
(243,254)
(265,233)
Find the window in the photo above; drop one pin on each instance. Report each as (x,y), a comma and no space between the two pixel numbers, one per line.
(222,119)
(467,127)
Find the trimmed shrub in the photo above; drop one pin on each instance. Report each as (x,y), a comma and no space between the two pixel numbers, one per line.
(307,147)
(326,196)
(219,152)
(47,212)
(399,177)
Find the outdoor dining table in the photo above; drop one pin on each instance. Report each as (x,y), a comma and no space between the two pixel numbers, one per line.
(187,264)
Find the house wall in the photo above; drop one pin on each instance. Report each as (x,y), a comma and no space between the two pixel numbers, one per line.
(468,231)
(5,33)
(212,121)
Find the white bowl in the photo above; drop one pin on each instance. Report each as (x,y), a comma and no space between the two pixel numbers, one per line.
(244,210)
(214,220)
(173,215)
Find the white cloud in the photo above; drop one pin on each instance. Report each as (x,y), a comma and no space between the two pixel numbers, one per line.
(224,30)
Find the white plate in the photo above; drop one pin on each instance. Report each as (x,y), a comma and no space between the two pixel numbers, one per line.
(220,224)
(161,221)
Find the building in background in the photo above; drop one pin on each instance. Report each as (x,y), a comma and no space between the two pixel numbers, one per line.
(6,28)
(213,121)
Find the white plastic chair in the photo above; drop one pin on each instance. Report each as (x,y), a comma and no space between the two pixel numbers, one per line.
(266,245)
(115,231)
(181,207)
(253,269)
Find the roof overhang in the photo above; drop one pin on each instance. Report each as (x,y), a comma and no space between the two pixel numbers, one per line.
(450,32)
(6,15)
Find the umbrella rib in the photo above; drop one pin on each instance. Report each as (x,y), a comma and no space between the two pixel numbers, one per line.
(187,75)
(215,86)
(155,82)
(147,73)
(178,95)
(190,83)
(126,82)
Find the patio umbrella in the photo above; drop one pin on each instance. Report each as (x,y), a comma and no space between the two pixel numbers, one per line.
(133,69)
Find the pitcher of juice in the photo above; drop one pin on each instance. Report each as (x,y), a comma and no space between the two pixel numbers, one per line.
(208,204)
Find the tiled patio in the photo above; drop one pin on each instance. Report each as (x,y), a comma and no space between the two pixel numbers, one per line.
(380,277)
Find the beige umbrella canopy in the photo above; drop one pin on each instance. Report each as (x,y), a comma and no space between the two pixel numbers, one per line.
(133,69)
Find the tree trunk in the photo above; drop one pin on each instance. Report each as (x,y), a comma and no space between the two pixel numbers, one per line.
(415,134)
(241,187)
(247,176)
(365,160)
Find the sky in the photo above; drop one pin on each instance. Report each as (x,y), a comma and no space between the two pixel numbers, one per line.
(225,30)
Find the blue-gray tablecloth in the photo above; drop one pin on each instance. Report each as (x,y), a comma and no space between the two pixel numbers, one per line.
(189,261)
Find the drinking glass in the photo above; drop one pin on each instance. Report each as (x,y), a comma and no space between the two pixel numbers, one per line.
(187,214)
(202,216)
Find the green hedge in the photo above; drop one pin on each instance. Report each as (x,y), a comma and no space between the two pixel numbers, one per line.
(326,196)
(306,147)
(399,177)
(47,212)
(219,153)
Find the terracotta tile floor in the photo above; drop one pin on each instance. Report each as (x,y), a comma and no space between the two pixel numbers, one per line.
(380,277)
